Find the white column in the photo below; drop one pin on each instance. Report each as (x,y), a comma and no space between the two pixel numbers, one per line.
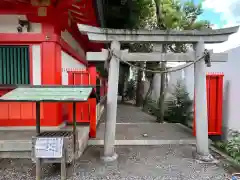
(201,102)
(112,94)
(36,65)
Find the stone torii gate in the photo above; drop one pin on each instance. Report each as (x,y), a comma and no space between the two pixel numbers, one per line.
(197,38)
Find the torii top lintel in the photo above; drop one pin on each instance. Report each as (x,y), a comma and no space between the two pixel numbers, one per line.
(160,36)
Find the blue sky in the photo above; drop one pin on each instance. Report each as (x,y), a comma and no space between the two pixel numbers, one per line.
(221,14)
(213,17)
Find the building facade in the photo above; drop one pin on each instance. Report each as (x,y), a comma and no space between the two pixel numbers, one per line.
(41,45)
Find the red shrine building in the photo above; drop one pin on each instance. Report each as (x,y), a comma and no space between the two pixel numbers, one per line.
(40,44)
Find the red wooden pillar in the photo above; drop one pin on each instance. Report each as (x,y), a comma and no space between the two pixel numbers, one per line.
(93,75)
(93,120)
(92,101)
(51,75)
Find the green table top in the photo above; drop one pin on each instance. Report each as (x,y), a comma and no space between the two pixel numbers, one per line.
(56,94)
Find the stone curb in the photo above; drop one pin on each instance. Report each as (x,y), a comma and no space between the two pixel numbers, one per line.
(190,130)
(143,142)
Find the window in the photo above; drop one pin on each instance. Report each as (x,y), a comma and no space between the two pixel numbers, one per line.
(14,65)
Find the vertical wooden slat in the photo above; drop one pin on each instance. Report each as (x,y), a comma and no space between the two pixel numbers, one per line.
(13,64)
(208,81)
(22,55)
(4,66)
(25,66)
(8,74)
(19,68)
(220,104)
(28,65)
(1,66)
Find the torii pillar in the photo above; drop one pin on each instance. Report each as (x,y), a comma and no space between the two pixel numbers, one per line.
(112,94)
(201,102)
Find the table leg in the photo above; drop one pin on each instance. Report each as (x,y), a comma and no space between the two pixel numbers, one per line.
(74,128)
(63,166)
(38,169)
(38,160)
(38,118)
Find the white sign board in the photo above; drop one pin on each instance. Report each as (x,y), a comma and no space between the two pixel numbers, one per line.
(49,147)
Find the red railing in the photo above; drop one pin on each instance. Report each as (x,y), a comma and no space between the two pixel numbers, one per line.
(86,112)
(103,85)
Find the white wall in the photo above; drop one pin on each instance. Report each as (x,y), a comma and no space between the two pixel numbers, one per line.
(231,95)
(189,80)
(156,86)
(69,63)
(9,24)
(66,36)
(36,65)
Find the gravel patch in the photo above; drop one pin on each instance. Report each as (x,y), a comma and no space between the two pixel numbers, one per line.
(166,162)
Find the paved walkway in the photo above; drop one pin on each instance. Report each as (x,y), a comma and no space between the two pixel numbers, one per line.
(139,128)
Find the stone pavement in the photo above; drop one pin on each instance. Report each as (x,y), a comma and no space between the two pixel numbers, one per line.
(139,128)
(161,162)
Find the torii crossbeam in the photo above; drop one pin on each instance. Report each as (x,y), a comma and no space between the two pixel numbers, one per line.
(155,56)
(197,38)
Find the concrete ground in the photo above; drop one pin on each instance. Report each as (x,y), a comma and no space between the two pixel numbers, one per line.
(161,162)
(135,131)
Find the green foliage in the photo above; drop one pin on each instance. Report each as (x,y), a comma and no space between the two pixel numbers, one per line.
(175,15)
(179,106)
(130,93)
(180,16)
(100,69)
(128,14)
(231,146)
(168,14)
